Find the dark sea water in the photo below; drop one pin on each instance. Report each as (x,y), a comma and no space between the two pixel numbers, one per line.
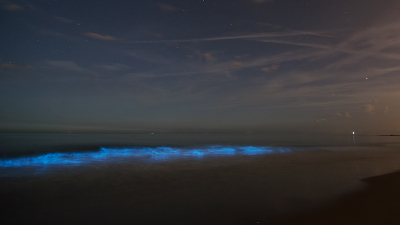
(181,179)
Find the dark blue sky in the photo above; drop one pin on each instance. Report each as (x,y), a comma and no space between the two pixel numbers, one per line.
(200,66)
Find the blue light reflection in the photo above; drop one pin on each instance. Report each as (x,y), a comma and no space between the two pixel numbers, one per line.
(148,154)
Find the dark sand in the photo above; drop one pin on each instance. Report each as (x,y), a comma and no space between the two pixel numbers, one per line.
(378,203)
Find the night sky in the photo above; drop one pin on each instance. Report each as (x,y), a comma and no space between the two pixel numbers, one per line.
(200,66)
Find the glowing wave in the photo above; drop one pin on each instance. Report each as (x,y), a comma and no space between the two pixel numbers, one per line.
(150,154)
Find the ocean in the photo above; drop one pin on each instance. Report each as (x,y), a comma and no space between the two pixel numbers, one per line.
(182,179)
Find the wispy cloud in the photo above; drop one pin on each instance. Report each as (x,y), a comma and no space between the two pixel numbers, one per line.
(13,7)
(374,108)
(63,19)
(237,64)
(370,43)
(237,37)
(311,45)
(268,69)
(13,66)
(386,109)
(208,57)
(345,115)
(66,66)
(69,71)
(262,1)
(166,7)
(21,6)
(149,57)
(100,37)
(112,67)
(368,108)
(315,85)
(8,66)
(315,68)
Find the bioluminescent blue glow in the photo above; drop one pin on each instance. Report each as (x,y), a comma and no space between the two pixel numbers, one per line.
(148,154)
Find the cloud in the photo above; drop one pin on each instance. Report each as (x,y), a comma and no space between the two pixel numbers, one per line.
(67,65)
(347,115)
(262,1)
(14,67)
(372,109)
(223,67)
(310,88)
(338,114)
(242,56)
(343,115)
(237,63)
(368,108)
(112,67)
(270,68)
(69,70)
(373,42)
(23,6)
(288,33)
(150,57)
(8,66)
(13,7)
(64,20)
(167,7)
(317,73)
(386,109)
(208,57)
(101,37)
(340,77)
(311,45)
(370,43)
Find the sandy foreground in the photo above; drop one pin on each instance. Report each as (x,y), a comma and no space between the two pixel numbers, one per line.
(378,203)
(315,187)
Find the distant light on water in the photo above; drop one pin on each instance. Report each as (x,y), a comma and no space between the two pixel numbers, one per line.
(147,154)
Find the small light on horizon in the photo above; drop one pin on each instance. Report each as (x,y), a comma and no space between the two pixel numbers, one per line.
(353,132)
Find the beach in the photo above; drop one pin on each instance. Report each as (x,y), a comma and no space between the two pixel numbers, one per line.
(377,203)
(318,185)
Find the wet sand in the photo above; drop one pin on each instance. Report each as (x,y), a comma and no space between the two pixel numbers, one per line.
(378,203)
(316,187)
